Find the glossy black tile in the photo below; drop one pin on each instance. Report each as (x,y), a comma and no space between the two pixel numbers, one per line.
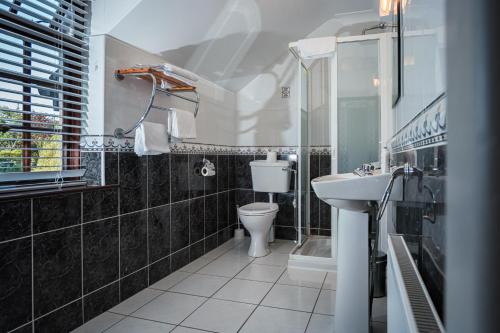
(100,204)
(16,219)
(91,162)
(211,243)
(325,232)
(196,180)
(313,166)
(210,215)
(288,233)
(244,197)
(64,319)
(261,197)
(325,215)
(159,232)
(15,282)
(222,210)
(179,225)
(57,274)
(196,250)
(233,213)
(223,236)
(100,253)
(222,173)
(28,328)
(197,219)
(285,216)
(158,180)
(133,242)
(159,269)
(133,182)
(314,211)
(100,301)
(133,283)
(179,179)
(242,171)
(325,163)
(111,168)
(56,211)
(179,259)
(231,173)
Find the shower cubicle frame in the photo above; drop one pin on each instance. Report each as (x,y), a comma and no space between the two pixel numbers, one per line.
(385,46)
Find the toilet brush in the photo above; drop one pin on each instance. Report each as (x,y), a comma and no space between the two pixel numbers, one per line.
(238,233)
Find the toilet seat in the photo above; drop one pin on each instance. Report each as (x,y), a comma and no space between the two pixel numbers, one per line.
(258,209)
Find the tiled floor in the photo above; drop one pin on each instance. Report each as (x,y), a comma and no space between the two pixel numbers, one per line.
(227,291)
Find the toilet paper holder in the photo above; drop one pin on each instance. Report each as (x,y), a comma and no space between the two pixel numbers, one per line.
(208,168)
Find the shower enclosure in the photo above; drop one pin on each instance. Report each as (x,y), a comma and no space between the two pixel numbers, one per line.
(341,126)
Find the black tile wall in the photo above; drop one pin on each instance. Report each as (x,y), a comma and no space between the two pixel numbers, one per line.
(16,219)
(133,187)
(133,242)
(100,254)
(57,274)
(319,212)
(87,251)
(15,282)
(425,238)
(196,181)
(54,212)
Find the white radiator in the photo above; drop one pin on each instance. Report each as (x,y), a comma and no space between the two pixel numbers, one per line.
(409,306)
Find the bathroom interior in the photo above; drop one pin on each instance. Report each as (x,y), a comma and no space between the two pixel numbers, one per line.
(248,166)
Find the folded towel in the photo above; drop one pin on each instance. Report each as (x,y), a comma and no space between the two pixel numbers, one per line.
(182,124)
(151,139)
(172,69)
(314,48)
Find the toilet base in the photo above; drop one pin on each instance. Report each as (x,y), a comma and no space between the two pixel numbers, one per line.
(259,245)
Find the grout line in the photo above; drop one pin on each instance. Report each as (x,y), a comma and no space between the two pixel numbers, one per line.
(315,303)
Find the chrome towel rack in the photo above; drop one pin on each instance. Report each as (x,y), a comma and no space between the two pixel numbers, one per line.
(156,76)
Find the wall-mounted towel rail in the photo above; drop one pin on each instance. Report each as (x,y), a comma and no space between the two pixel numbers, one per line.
(156,77)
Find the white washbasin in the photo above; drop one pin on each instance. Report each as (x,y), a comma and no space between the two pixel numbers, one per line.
(352,192)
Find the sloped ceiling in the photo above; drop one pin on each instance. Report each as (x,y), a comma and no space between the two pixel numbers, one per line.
(226,41)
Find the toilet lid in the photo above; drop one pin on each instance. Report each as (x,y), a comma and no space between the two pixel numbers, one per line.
(259,208)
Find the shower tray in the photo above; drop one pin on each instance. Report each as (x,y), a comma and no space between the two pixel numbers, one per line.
(315,254)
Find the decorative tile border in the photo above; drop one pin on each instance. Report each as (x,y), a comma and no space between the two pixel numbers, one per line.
(428,128)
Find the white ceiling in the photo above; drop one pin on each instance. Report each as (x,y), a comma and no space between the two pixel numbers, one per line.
(226,41)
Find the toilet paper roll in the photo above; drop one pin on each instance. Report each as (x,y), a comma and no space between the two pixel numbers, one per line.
(206,172)
(272,156)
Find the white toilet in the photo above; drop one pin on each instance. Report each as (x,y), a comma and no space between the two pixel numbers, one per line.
(271,177)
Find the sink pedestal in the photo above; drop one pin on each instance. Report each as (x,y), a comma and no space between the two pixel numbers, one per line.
(352,297)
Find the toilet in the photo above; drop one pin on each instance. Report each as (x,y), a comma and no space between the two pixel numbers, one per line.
(271,177)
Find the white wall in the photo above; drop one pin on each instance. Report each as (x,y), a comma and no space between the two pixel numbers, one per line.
(121,103)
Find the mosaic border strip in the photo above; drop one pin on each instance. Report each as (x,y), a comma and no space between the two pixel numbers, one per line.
(428,128)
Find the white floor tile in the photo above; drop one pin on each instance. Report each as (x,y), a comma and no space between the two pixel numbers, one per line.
(219,316)
(271,320)
(171,280)
(320,324)
(200,285)
(170,308)
(135,325)
(227,267)
(326,302)
(275,259)
(180,329)
(292,297)
(280,246)
(330,281)
(303,278)
(196,265)
(135,302)
(99,323)
(244,291)
(263,273)
(379,311)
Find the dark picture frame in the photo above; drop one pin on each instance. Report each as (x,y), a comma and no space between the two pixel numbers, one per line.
(397,67)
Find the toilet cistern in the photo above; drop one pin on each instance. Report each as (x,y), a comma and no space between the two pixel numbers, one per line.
(271,176)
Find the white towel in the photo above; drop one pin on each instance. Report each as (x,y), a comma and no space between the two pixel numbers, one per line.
(179,72)
(151,139)
(314,48)
(182,124)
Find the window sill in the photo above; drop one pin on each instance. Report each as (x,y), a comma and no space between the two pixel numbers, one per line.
(41,193)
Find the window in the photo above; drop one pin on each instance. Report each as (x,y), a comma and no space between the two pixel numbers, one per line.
(43,88)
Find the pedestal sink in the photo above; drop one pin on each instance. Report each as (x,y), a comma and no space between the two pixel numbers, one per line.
(351,194)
